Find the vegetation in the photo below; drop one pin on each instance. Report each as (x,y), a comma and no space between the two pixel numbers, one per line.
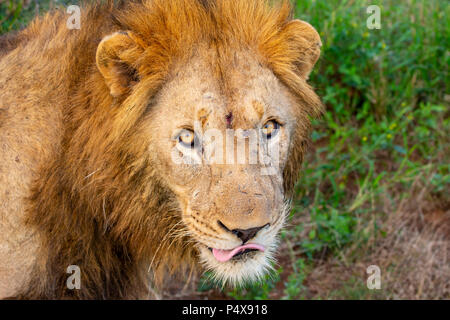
(374,189)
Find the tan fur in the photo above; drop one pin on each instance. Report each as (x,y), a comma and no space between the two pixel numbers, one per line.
(87,119)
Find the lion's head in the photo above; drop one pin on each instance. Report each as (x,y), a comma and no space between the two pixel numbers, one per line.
(227,122)
(184,125)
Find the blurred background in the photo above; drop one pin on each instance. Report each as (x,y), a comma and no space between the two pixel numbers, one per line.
(374,189)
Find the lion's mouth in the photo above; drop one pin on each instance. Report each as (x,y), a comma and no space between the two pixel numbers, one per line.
(238,252)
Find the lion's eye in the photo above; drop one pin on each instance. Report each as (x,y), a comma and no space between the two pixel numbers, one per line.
(187,138)
(270,129)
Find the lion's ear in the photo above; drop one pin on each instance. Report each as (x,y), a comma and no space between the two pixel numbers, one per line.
(116,59)
(303,46)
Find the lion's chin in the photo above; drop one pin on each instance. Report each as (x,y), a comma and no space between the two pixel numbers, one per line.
(248,268)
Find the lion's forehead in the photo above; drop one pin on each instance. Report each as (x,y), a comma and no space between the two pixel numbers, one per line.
(243,91)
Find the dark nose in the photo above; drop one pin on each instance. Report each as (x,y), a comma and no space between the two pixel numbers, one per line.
(244,235)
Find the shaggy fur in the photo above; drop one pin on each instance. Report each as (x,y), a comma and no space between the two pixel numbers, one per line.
(96,198)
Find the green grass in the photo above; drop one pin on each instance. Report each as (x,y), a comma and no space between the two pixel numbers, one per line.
(386,125)
(15,14)
(386,121)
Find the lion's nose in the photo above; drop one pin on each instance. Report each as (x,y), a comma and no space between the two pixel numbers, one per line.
(246,234)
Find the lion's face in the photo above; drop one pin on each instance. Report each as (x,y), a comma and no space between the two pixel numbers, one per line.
(227,107)
(223,154)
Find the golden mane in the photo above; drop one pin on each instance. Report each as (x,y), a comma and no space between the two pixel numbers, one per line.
(90,203)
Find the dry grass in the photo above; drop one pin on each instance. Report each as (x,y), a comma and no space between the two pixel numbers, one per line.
(414,256)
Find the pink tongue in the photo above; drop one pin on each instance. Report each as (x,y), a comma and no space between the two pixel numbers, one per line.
(225,255)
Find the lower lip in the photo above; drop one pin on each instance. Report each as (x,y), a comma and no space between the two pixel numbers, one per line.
(240,254)
(244,253)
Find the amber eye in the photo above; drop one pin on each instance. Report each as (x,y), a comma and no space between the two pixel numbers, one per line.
(187,138)
(270,129)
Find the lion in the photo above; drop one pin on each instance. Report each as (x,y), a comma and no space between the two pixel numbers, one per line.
(103,144)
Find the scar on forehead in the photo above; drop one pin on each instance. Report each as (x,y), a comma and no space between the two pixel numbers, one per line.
(259,108)
(203,115)
(229,118)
